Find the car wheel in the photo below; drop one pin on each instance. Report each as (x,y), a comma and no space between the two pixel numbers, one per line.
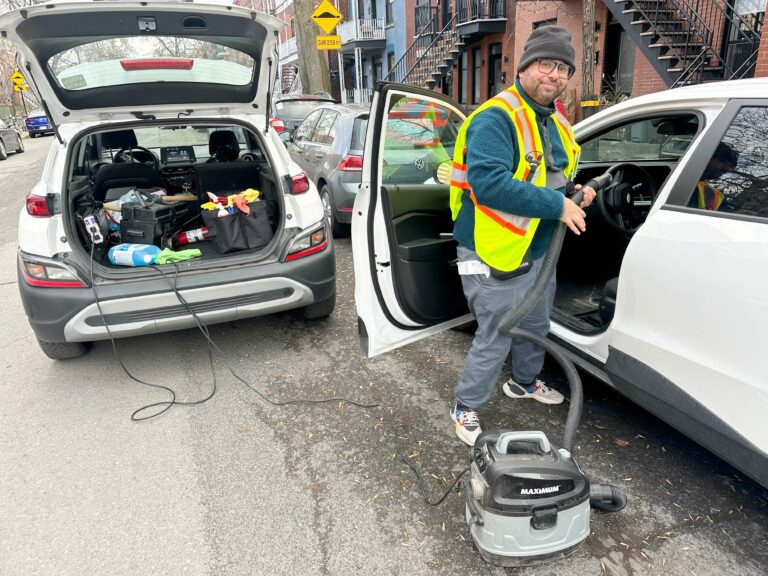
(3,151)
(20,147)
(321,309)
(338,230)
(64,350)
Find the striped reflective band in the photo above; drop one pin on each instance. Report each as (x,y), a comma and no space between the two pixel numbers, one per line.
(515,224)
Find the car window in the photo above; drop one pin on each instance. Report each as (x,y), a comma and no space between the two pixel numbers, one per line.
(358,133)
(304,130)
(419,136)
(130,60)
(323,131)
(650,139)
(735,179)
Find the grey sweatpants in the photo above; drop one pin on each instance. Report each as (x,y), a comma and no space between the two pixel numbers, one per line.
(489,300)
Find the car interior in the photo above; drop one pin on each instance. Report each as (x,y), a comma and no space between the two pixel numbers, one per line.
(174,167)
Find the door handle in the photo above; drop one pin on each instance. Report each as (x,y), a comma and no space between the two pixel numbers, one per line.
(319,156)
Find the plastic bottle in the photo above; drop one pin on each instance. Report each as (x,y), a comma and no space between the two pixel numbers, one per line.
(133,254)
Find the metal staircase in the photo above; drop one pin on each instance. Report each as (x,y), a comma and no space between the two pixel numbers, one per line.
(691,41)
(431,55)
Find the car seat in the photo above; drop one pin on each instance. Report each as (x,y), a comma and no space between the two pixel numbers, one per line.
(607,305)
(110,176)
(223,146)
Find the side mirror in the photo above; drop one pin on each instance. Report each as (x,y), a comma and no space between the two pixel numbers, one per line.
(286,136)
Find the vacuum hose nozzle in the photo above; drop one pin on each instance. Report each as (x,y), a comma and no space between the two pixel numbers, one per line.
(607,497)
(599,182)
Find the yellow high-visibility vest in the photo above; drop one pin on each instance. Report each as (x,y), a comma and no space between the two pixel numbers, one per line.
(707,190)
(502,239)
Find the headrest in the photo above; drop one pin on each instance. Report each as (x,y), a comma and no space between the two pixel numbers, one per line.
(119,139)
(222,139)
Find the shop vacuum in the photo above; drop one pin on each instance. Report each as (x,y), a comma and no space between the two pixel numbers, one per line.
(527,500)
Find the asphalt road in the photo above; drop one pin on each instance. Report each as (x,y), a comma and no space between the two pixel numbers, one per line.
(238,486)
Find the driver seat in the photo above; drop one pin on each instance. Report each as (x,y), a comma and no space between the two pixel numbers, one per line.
(607,306)
(122,175)
(223,146)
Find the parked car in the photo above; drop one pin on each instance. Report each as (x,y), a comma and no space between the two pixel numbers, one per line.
(291,109)
(37,123)
(328,145)
(10,139)
(156,123)
(665,297)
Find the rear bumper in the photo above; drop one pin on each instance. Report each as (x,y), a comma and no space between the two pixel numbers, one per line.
(138,307)
(40,129)
(344,195)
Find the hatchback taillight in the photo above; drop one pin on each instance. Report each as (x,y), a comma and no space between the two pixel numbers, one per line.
(277,125)
(37,205)
(299,184)
(47,275)
(351,163)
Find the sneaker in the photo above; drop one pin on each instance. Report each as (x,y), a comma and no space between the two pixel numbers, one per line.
(467,423)
(539,391)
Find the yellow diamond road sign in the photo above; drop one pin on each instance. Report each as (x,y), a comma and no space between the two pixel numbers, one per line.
(326,16)
(17,78)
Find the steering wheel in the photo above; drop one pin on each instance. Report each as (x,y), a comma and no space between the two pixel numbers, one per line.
(617,200)
(138,155)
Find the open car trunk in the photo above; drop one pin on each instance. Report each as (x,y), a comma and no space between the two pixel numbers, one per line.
(203,186)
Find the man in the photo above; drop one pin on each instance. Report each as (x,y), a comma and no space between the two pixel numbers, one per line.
(513,159)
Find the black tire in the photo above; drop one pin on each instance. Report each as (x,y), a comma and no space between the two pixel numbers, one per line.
(337,229)
(64,350)
(20,147)
(3,151)
(321,309)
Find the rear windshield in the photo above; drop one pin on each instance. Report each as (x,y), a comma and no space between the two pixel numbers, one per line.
(297,109)
(358,133)
(133,60)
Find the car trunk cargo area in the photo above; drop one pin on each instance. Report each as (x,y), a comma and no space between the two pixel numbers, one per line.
(155,189)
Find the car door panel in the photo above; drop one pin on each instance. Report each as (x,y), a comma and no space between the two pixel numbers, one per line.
(407,284)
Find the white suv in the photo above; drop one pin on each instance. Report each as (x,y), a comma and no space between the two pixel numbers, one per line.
(665,297)
(171,97)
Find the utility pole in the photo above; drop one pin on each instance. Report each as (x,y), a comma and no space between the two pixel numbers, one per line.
(313,63)
(588,57)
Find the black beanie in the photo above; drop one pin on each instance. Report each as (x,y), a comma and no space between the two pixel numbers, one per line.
(550,42)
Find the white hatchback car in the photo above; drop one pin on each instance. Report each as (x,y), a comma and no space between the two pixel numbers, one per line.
(170,97)
(664,298)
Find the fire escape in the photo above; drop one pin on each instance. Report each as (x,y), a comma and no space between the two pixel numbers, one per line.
(692,41)
(442,32)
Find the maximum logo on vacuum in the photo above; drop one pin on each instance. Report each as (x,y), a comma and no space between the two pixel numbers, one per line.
(540,491)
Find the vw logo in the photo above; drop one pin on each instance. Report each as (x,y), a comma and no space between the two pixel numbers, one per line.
(419,163)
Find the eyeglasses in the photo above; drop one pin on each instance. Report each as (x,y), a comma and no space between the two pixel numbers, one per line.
(563,70)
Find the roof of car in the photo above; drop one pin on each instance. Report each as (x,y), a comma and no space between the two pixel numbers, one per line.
(321,97)
(348,108)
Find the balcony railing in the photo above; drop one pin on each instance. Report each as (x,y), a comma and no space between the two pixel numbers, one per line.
(354,30)
(288,48)
(364,96)
(469,10)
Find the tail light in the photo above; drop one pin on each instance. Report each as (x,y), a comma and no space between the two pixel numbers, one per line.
(38,205)
(351,163)
(277,125)
(48,275)
(299,184)
(157,64)
(307,244)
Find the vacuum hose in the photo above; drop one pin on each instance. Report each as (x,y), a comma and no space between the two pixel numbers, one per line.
(604,497)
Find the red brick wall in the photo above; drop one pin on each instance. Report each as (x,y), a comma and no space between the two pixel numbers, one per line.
(762,55)
(646,80)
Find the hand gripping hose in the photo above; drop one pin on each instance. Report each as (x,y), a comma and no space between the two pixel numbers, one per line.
(605,497)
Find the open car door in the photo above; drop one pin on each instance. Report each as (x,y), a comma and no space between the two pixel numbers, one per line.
(407,285)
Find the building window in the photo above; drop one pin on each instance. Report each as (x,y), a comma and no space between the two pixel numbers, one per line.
(542,23)
(477,62)
(293,28)
(390,62)
(463,79)
(390,12)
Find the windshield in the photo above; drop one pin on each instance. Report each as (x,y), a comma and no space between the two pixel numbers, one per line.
(297,109)
(132,60)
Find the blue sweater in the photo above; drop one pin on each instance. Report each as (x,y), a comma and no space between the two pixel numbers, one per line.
(492,157)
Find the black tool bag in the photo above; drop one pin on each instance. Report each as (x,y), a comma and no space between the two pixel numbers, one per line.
(240,231)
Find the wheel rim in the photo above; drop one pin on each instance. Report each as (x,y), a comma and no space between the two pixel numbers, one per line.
(2,148)
(327,207)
